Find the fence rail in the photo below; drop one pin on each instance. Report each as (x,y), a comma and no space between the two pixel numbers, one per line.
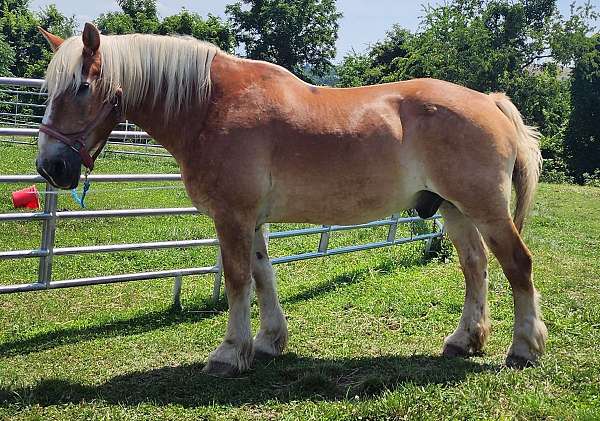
(50,216)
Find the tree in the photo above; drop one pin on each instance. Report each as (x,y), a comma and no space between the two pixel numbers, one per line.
(18,26)
(543,97)
(583,136)
(139,16)
(7,57)
(378,65)
(51,19)
(293,33)
(356,70)
(211,29)
(115,23)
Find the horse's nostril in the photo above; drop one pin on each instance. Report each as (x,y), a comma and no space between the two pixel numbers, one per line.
(57,168)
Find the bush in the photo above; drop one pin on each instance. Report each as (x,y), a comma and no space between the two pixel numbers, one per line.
(555,171)
(592,179)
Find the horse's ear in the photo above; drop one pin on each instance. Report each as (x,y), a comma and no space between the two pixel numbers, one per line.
(91,39)
(52,39)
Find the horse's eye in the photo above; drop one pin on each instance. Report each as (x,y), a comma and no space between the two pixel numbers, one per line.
(83,88)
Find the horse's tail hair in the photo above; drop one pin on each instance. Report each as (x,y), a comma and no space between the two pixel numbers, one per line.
(528,165)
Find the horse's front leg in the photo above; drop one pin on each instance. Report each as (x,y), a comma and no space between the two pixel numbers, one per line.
(234,355)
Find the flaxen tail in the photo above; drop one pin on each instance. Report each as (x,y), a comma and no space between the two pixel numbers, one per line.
(529,159)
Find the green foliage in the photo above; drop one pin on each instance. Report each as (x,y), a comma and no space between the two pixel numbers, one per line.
(543,97)
(292,33)
(211,29)
(555,170)
(380,63)
(115,23)
(583,138)
(356,70)
(18,26)
(137,16)
(7,57)
(569,40)
(592,179)
(141,16)
(51,19)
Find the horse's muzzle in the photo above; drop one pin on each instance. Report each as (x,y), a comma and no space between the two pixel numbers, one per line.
(61,173)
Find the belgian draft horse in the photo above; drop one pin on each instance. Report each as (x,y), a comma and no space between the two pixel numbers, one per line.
(255,145)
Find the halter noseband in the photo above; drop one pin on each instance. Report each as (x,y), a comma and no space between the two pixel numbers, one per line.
(76,141)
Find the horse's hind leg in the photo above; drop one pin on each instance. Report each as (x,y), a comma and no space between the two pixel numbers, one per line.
(474,327)
(529,335)
(272,336)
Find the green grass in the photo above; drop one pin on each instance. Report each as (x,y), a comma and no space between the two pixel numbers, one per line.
(365,329)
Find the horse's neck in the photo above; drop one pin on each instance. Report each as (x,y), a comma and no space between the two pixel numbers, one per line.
(172,131)
(177,130)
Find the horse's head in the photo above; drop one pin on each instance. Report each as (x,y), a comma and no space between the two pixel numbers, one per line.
(80,113)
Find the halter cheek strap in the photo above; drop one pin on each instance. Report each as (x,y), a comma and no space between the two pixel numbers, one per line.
(76,141)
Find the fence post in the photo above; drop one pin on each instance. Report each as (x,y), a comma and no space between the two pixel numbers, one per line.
(177,294)
(324,240)
(48,235)
(218,277)
(16,112)
(430,245)
(393,228)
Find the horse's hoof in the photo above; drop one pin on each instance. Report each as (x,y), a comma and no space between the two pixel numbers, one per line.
(220,369)
(519,363)
(453,351)
(262,355)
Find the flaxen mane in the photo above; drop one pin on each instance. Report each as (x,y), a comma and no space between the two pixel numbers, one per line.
(179,66)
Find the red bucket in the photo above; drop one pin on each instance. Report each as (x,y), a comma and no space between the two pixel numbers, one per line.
(26,198)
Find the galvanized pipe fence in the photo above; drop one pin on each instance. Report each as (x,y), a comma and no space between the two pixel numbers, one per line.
(50,216)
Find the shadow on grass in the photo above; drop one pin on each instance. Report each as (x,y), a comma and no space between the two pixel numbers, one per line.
(287,378)
(134,325)
(192,312)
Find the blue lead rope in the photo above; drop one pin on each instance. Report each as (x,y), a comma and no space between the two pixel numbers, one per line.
(75,195)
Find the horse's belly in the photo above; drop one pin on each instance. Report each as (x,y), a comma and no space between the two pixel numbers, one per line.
(329,211)
(342,194)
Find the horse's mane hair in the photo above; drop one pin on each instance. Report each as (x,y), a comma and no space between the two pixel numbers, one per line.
(177,69)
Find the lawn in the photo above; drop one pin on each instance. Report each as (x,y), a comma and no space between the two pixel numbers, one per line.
(366,329)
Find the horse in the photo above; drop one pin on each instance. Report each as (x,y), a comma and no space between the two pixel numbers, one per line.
(255,144)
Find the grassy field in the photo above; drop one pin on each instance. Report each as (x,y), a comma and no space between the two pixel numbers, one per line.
(366,329)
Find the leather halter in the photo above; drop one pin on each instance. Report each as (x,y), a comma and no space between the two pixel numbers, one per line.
(76,141)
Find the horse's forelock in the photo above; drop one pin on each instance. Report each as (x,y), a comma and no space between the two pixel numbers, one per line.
(64,70)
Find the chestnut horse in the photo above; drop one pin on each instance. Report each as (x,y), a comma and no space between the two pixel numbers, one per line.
(255,145)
